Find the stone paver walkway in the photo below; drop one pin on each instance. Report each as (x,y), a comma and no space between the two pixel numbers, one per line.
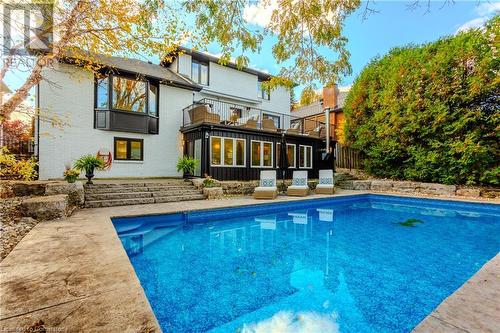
(74,275)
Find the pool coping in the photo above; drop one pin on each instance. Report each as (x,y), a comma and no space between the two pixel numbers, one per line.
(75,275)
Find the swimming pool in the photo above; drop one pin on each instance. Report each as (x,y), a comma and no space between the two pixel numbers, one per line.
(364,263)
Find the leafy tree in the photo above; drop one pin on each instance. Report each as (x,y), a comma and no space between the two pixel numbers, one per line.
(16,130)
(431,112)
(85,28)
(309,96)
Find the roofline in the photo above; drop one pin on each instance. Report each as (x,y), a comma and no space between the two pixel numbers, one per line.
(212,58)
(187,85)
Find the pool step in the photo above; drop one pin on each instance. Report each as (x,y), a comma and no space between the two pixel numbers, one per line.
(108,195)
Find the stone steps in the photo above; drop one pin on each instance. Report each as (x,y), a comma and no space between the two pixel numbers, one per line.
(141,201)
(127,188)
(108,195)
(92,196)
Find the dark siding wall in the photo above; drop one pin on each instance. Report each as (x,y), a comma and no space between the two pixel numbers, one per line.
(249,173)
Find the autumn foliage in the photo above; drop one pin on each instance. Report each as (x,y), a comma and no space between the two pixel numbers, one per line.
(431,112)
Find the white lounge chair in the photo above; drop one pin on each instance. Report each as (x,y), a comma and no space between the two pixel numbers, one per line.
(325,183)
(299,185)
(267,188)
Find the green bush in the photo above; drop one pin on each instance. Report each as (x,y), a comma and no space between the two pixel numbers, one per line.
(431,112)
(187,165)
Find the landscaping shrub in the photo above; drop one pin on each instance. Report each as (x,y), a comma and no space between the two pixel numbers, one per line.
(431,112)
(12,167)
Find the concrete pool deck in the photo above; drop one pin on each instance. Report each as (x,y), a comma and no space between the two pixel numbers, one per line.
(74,275)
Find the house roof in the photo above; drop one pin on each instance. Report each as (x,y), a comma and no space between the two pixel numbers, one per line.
(165,75)
(148,69)
(208,57)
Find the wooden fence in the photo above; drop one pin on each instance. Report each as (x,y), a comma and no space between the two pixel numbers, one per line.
(19,147)
(347,158)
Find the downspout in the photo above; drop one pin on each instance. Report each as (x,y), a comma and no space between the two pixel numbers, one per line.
(327,124)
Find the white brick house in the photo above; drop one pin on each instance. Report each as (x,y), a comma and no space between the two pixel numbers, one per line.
(119,113)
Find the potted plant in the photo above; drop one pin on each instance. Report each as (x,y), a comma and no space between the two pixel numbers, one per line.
(89,163)
(187,165)
(70,175)
(209,182)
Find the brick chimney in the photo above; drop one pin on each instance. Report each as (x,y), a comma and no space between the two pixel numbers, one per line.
(330,97)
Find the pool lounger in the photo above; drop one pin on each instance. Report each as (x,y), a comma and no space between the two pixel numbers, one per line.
(325,183)
(267,188)
(299,185)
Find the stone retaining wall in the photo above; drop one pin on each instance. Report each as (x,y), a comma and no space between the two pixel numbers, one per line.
(234,187)
(409,187)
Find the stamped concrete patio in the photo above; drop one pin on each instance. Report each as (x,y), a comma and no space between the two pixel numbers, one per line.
(74,275)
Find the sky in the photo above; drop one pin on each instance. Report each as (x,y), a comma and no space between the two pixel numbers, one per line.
(393,24)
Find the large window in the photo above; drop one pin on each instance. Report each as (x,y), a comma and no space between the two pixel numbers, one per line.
(102,93)
(290,151)
(227,151)
(199,72)
(262,154)
(262,92)
(129,149)
(127,94)
(305,157)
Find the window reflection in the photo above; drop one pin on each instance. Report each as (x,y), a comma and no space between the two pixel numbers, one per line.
(129,95)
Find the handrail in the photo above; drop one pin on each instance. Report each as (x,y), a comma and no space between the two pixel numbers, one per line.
(232,114)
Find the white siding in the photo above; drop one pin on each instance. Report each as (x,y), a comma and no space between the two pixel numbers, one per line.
(71,97)
(235,86)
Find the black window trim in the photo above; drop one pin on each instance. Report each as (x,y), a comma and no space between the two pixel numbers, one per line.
(109,76)
(128,140)
(129,77)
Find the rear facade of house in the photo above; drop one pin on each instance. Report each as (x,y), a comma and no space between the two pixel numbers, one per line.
(142,117)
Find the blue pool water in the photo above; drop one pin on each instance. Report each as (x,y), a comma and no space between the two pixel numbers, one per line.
(366,263)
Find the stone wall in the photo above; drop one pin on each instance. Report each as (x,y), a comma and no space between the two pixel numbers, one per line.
(235,187)
(24,204)
(409,187)
(32,196)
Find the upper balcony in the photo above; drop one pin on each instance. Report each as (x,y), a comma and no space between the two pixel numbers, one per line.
(215,112)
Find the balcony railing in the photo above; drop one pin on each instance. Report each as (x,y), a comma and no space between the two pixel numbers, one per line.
(229,114)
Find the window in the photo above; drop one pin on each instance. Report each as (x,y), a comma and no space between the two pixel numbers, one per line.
(127,94)
(129,149)
(275,119)
(262,92)
(290,151)
(227,152)
(305,157)
(199,72)
(153,100)
(262,154)
(102,93)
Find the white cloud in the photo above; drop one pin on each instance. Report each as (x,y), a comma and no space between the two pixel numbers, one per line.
(472,24)
(485,11)
(260,13)
(488,8)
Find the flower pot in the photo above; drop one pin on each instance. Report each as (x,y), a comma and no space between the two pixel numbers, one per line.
(89,174)
(71,179)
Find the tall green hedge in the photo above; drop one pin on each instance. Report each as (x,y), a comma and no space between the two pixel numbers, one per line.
(431,112)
